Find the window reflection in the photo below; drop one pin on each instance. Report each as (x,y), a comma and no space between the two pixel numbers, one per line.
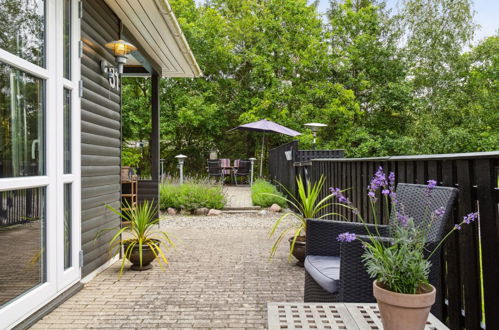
(22,242)
(67,225)
(22,29)
(21,123)
(67,39)
(67,131)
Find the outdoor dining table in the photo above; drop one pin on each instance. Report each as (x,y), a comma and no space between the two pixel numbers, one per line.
(349,316)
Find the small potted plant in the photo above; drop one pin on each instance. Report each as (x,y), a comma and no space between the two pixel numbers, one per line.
(140,237)
(400,265)
(307,205)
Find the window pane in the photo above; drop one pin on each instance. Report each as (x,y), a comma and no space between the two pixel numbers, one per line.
(67,225)
(23,28)
(67,131)
(67,39)
(21,123)
(22,242)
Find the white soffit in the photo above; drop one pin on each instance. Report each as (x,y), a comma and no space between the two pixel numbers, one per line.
(155,27)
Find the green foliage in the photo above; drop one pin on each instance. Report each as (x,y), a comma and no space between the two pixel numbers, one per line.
(308,206)
(386,83)
(263,194)
(191,196)
(130,156)
(141,224)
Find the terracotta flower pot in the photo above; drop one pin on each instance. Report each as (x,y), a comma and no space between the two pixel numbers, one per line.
(404,311)
(299,249)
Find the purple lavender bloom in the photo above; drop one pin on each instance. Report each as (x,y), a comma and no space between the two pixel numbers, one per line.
(339,195)
(403,219)
(470,218)
(391,179)
(458,227)
(431,184)
(393,196)
(385,192)
(439,212)
(379,180)
(346,237)
(372,196)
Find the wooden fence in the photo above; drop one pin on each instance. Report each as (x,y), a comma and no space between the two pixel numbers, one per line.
(20,206)
(471,257)
(286,162)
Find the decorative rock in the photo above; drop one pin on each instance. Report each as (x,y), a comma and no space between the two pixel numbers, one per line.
(201,211)
(275,208)
(185,212)
(263,213)
(214,212)
(171,211)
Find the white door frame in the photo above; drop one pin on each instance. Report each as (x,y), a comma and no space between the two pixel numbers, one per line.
(57,279)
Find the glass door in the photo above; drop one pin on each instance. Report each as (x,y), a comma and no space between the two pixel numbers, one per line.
(39,143)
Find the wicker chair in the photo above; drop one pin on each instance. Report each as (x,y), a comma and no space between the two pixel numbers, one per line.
(215,169)
(243,169)
(352,282)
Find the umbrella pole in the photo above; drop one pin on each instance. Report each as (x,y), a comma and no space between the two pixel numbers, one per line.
(261,155)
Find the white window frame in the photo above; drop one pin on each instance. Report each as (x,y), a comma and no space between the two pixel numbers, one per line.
(57,279)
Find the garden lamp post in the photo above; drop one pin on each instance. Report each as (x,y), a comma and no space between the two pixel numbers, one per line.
(181,158)
(315,128)
(162,167)
(252,161)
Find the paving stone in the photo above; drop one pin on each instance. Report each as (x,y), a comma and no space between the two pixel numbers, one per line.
(219,276)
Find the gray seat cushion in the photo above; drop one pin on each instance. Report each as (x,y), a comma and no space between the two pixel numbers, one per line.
(325,270)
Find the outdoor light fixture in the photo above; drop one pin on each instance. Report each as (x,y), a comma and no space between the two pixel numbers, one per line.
(181,158)
(121,49)
(315,128)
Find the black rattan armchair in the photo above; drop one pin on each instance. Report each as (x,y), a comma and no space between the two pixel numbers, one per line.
(345,278)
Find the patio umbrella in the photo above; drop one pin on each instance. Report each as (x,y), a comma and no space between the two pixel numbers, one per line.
(266,126)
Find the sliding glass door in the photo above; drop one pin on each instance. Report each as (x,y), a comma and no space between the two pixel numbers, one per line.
(39,154)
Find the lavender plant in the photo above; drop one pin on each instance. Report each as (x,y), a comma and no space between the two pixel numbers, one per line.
(401,263)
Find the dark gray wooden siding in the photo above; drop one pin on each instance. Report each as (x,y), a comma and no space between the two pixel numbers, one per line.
(100,135)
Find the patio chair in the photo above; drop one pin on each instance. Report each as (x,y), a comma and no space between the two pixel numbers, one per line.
(215,169)
(334,271)
(242,170)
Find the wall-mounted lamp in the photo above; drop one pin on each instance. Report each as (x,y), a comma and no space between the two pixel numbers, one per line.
(120,49)
(315,128)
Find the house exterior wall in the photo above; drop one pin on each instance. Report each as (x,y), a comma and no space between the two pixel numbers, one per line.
(100,135)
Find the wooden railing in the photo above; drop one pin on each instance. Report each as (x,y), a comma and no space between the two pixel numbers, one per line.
(19,206)
(472,256)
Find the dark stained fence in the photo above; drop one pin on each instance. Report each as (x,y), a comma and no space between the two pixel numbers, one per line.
(19,206)
(476,177)
(281,170)
(306,155)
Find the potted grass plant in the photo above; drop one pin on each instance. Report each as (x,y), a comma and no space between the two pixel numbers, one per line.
(306,205)
(140,237)
(401,264)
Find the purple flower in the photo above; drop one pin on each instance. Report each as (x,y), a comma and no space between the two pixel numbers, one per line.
(339,195)
(385,192)
(372,195)
(346,237)
(431,184)
(393,196)
(470,218)
(439,212)
(379,180)
(402,218)
(457,227)
(391,179)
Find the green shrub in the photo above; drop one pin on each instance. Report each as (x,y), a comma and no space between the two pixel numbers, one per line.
(258,194)
(191,196)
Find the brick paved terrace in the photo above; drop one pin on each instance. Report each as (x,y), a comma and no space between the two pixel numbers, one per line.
(219,277)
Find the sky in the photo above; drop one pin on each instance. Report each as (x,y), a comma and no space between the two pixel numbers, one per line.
(487,15)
